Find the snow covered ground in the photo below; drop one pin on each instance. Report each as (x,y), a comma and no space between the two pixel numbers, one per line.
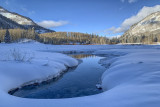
(132,80)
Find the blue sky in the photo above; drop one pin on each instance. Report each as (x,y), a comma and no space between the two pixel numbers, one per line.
(104,17)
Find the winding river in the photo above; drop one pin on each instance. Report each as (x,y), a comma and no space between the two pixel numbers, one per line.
(77,82)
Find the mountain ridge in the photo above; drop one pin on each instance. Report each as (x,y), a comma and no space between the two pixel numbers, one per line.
(146,31)
(18,21)
(148,24)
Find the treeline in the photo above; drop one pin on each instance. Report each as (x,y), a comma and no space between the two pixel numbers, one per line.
(145,38)
(71,38)
(57,38)
(18,34)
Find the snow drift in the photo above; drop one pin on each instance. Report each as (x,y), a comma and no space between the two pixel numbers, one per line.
(132,79)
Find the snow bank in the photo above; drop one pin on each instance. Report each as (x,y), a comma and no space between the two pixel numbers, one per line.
(132,79)
(21,65)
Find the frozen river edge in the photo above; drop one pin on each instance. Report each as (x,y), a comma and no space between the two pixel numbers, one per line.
(131,80)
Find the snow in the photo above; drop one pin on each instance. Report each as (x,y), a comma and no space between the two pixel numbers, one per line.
(131,80)
(17,18)
(150,24)
(1,9)
(41,31)
(40,65)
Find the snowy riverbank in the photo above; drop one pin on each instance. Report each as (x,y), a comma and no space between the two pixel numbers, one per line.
(132,79)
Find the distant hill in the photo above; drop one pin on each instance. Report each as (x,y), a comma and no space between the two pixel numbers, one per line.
(146,31)
(13,20)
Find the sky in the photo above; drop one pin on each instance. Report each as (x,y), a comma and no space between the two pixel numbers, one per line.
(102,17)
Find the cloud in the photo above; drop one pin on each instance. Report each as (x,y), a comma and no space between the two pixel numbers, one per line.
(129,1)
(51,24)
(145,11)
(26,10)
(6,2)
(13,5)
(132,1)
(122,0)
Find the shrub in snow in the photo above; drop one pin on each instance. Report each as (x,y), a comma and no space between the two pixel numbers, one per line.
(20,56)
(17,56)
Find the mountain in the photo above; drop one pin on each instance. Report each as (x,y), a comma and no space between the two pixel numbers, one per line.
(150,24)
(7,23)
(145,30)
(13,20)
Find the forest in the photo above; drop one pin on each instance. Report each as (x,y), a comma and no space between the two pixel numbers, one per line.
(76,38)
(56,38)
(145,38)
(72,38)
(16,35)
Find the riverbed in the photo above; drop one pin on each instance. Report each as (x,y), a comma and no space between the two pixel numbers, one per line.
(76,82)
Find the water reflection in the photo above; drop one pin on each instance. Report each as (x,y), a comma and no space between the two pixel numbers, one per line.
(79,56)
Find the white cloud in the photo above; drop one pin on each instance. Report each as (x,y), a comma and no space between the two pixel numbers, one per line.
(6,2)
(122,0)
(27,11)
(129,1)
(51,24)
(132,1)
(14,6)
(145,11)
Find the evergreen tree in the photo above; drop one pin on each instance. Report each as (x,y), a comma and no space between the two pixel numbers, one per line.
(7,37)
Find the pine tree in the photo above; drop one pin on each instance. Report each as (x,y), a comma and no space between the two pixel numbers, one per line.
(7,37)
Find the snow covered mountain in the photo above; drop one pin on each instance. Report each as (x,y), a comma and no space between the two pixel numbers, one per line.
(147,26)
(16,17)
(7,23)
(14,20)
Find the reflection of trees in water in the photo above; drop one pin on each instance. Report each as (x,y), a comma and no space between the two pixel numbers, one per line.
(79,56)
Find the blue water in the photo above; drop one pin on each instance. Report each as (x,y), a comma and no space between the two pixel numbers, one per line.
(77,82)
